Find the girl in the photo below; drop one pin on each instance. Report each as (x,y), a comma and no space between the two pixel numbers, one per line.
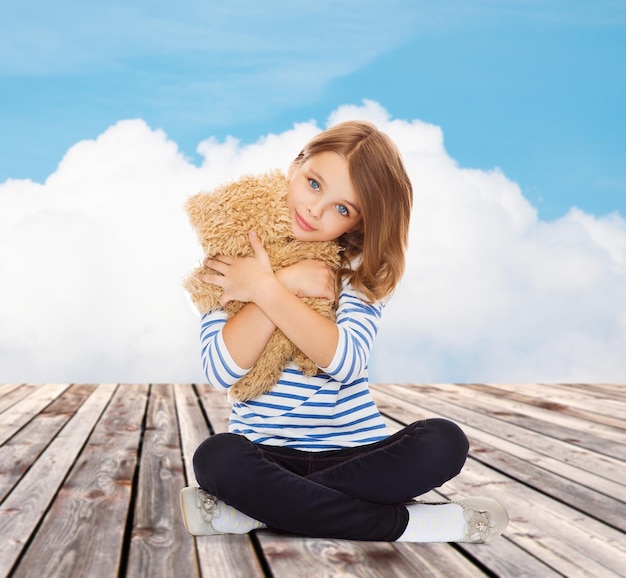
(313,456)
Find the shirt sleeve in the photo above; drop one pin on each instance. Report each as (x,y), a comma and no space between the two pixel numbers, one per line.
(358,323)
(219,367)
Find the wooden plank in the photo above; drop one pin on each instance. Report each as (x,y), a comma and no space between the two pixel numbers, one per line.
(296,557)
(533,403)
(503,557)
(565,539)
(192,426)
(610,412)
(14,393)
(586,460)
(28,406)
(554,422)
(563,500)
(397,408)
(611,390)
(83,532)
(605,508)
(598,398)
(160,546)
(22,450)
(218,556)
(439,561)
(22,510)
(520,463)
(216,407)
(227,556)
(6,388)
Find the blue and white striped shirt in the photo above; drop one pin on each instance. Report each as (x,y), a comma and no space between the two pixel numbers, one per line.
(330,410)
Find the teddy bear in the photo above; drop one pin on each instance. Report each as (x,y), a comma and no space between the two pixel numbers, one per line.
(222,219)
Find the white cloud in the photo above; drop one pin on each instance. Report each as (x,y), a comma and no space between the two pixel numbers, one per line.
(92,262)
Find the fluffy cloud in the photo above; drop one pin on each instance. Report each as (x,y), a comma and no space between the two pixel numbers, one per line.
(92,261)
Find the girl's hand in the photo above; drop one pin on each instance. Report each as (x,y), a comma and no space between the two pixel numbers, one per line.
(240,277)
(309,279)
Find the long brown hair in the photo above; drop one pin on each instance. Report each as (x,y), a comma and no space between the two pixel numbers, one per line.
(386,198)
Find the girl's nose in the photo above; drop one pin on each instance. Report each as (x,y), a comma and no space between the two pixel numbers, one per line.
(315,210)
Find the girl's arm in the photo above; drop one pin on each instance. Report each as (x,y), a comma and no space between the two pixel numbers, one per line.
(270,304)
(315,335)
(357,323)
(246,334)
(252,328)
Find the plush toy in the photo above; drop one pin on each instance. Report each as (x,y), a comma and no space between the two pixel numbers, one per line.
(222,220)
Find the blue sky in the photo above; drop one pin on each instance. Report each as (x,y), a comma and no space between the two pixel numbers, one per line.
(534,87)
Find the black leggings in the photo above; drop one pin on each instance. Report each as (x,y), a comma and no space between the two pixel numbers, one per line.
(354,493)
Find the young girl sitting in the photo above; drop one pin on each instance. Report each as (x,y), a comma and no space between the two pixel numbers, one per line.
(313,457)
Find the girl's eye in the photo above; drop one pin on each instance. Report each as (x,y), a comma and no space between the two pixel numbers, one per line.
(314,184)
(343,210)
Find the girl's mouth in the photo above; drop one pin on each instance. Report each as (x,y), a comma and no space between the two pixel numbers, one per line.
(302,223)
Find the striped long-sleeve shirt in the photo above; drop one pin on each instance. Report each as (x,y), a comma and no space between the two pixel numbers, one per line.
(331,410)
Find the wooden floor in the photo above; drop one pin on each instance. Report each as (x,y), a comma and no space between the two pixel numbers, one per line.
(90,475)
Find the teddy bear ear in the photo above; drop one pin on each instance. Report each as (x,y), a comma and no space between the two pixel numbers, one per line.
(194,208)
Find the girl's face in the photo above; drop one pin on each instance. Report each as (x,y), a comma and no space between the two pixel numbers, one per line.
(322,202)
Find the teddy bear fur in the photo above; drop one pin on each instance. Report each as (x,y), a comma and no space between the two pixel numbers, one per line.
(222,220)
